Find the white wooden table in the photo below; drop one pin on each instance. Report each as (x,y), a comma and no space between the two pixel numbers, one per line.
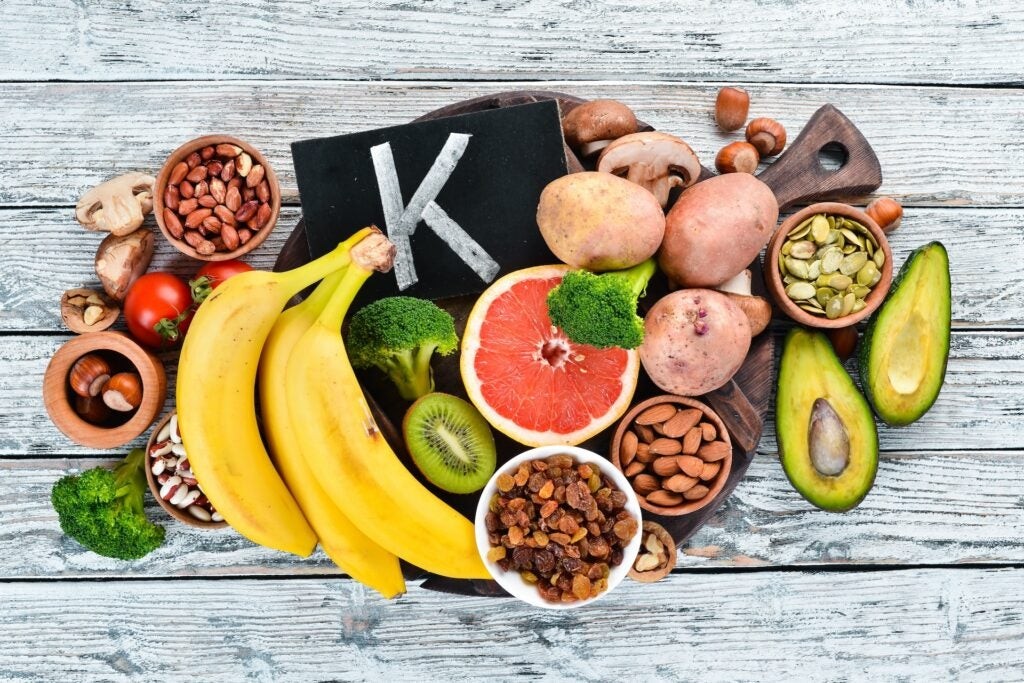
(925,580)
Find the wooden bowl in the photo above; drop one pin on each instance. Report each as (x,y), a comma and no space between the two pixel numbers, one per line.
(777,289)
(182,516)
(124,355)
(179,155)
(714,486)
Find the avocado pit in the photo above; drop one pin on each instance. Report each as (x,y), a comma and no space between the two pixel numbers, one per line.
(827,439)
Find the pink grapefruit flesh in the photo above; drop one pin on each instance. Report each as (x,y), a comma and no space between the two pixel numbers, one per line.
(527,378)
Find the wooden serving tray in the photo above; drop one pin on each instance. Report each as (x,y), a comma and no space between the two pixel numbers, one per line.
(742,404)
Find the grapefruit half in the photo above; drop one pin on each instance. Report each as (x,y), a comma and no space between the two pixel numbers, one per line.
(527,378)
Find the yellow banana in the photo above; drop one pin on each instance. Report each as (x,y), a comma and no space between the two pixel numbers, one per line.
(352,550)
(216,407)
(342,444)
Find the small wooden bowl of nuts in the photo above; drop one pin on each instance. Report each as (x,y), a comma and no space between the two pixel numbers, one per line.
(657,555)
(171,480)
(216,198)
(675,452)
(102,390)
(828,266)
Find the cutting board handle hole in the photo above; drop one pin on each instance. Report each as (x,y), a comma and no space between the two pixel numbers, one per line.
(833,156)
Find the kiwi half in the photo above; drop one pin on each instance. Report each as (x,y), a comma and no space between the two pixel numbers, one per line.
(450,442)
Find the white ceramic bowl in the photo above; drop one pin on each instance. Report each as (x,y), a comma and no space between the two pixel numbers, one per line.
(510,580)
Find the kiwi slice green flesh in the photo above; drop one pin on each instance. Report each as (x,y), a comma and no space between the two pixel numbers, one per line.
(450,442)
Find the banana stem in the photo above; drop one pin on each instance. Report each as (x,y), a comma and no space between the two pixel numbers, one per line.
(336,259)
(342,297)
(319,297)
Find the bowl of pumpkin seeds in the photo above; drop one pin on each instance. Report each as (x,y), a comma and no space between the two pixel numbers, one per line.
(828,266)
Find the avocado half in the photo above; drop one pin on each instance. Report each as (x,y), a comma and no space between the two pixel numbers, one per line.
(905,347)
(826,432)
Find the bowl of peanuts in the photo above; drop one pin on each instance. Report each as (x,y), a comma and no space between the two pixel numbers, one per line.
(216,198)
(558,527)
(675,452)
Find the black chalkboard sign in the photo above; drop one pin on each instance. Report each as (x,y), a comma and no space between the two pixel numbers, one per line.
(458,196)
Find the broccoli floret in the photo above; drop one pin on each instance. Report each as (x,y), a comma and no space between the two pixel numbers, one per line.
(102,509)
(399,335)
(600,310)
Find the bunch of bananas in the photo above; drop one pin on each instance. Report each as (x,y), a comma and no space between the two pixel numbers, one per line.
(329,476)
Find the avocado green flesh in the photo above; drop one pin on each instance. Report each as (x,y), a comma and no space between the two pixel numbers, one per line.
(906,345)
(809,371)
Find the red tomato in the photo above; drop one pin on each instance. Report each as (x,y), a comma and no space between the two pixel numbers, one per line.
(213,274)
(158,309)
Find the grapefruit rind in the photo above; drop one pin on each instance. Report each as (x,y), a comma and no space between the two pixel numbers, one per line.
(505,425)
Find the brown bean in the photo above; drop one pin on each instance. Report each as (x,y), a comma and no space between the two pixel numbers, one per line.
(246,211)
(255,176)
(230,237)
(206,153)
(261,217)
(193,159)
(212,224)
(228,172)
(218,189)
(196,174)
(207,201)
(202,188)
(244,235)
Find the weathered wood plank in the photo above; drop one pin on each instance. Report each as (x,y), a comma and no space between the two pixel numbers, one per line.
(922,624)
(979,407)
(936,146)
(925,508)
(972,42)
(46,253)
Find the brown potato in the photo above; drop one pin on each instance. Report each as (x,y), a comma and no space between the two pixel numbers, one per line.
(599,221)
(716,229)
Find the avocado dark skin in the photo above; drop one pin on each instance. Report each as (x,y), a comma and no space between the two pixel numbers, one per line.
(904,350)
(828,444)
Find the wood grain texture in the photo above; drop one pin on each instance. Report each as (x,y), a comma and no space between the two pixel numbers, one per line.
(920,624)
(926,508)
(895,42)
(955,146)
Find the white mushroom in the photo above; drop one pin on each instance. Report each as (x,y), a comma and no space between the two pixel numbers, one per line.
(117,206)
(656,161)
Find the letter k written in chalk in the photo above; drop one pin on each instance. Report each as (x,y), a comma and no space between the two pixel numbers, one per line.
(401,220)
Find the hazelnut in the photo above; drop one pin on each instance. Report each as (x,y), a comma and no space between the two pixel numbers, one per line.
(123,392)
(737,157)
(767,135)
(887,212)
(88,375)
(731,108)
(92,409)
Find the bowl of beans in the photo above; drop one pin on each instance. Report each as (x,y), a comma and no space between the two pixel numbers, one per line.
(558,526)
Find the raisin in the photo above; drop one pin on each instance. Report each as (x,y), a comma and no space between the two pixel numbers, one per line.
(548,507)
(568,525)
(547,489)
(616,558)
(585,471)
(560,539)
(517,504)
(575,497)
(625,529)
(505,483)
(572,551)
(581,586)
(495,554)
(593,528)
(544,562)
(599,548)
(598,570)
(508,518)
(522,558)
(537,480)
(618,500)
(491,521)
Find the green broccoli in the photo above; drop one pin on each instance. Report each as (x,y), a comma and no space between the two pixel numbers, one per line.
(600,310)
(399,335)
(102,509)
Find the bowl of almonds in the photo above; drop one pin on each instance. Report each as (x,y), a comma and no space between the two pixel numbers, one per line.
(675,452)
(216,198)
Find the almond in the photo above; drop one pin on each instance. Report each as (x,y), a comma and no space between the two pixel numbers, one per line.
(658,413)
(664,498)
(633,469)
(255,176)
(645,484)
(714,451)
(187,206)
(645,433)
(627,448)
(708,431)
(228,151)
(692,466)
(233,199)
(178,173)
(173,224)
(709,470)
(643,453)
(681,423)
(665,467)
(691,442)
(697,492)
(679,483)
(196,218)
(664,446)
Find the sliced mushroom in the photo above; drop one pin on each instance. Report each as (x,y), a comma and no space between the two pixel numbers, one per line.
(756,308)
(591,126)
(656,161)
(121,260)
(117,206)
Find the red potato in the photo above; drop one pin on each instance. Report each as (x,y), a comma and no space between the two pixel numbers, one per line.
(694,341)
(716,229)
(599,221)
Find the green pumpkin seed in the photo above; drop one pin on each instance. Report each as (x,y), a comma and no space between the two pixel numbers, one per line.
(782,264)
(789,279)
(823,280)
(814,303)
(870,247)
(819,229)
(851,236)
(860,291)
(798,291)
(849,249)
(823,295)
(831,222)
(869,275)
(879,258)
(831,260)
(839,282)
(858,306)
(848,301)
(811,309)
(801,230)
(797,267)
(814,270)
(786,248)
(853,262)
(833,237)
(834,307)
(803,249)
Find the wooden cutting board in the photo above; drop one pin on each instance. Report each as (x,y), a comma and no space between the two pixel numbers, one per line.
(797,176)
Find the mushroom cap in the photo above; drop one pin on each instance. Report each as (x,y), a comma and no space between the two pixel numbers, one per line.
(694,341)
(598,120)
(657,161)
(716,229)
